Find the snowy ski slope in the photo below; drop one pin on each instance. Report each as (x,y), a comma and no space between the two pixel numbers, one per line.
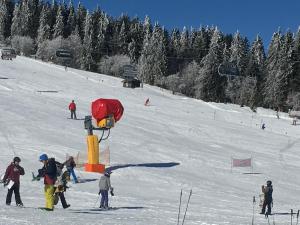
(175,143)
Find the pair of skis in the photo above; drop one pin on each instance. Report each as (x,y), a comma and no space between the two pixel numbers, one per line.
(186,208)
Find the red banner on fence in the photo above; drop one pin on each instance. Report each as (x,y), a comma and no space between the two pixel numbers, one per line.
(241,162)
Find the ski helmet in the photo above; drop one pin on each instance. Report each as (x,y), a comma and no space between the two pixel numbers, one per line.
(269,182)
(17,159)
(43,157)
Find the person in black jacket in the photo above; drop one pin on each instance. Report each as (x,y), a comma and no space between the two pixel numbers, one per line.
(49,172)
(268,199)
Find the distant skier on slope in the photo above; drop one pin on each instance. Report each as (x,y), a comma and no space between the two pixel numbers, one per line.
(12,180)
(72,108)
(268,199)
(147,102)
(104,187)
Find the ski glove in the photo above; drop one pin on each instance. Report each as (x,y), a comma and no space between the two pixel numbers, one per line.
(112,192)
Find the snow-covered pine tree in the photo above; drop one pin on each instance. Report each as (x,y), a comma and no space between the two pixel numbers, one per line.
(71,21)
(86,57)
(135,46)
(152,63)
(44,31)
(80,20)
(16,21)
(209,85)
(273,74)
(59,26)
(3,20)
(239,53)
(294,85)
(122,39)
(255,70)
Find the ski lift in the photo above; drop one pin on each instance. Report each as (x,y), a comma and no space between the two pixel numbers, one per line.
(229,70)
(63,53)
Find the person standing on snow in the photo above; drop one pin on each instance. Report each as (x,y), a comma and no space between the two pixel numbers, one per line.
(49,172)
(72,108)
(104,187)
(268,199)
(70,164)
(12,174)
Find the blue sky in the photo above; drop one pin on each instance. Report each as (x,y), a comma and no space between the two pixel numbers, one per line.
(250,17)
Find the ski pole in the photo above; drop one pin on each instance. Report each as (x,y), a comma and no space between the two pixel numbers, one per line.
(179,207)
(187,205)
(253,210)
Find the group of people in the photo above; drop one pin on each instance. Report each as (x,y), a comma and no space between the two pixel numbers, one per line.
(55,181)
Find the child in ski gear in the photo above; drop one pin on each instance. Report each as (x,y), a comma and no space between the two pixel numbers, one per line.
(72,108)
(70,164)
(49,172)
(268,199)
(104,187)
(12,174)
(60,188)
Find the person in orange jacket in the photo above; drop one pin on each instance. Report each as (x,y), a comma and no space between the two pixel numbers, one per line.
(72,108)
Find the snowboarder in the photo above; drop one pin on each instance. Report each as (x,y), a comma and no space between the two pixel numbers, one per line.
(72,108)
(49,172)
(12,180)
(104,187)
(60,187)
(268,199)
(70,164)
(147,102)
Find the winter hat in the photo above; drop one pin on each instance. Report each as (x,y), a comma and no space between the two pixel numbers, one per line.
(17,159)
(43,157)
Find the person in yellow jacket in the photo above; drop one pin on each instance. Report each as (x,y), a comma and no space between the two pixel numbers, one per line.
(49,172)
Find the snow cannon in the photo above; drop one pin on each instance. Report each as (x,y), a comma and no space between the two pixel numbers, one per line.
(106,113)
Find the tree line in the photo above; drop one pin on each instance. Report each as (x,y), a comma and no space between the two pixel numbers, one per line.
(184,61)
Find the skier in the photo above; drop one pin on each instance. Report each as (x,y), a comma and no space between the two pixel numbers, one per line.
(72,108)
(147,102)
(60,188)
(12,179)
(70,164)
(49,172)
(263,126)
(104,187)
(295,120)
(268,199)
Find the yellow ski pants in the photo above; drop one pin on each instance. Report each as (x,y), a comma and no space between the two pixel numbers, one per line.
(49,196)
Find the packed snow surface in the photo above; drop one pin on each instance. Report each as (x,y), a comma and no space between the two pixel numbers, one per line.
(155,151)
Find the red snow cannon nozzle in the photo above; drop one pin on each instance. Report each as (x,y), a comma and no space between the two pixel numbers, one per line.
(106,112)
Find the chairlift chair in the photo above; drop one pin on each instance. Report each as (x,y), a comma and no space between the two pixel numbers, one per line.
(228,70)
(64,54)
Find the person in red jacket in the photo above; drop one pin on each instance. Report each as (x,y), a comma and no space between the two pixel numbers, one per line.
(12,177)
(72,108)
